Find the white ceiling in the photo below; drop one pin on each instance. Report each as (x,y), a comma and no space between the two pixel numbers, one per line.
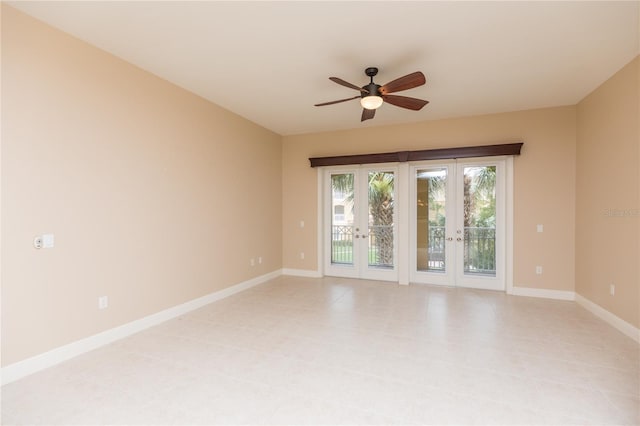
(270,61)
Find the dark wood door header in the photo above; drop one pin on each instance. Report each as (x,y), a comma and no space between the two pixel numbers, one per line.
(426,154)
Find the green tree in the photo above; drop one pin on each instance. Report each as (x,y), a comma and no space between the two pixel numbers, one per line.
(437,186)
(479,196)
(381,205)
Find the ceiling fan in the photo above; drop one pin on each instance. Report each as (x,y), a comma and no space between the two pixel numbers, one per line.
(372,95)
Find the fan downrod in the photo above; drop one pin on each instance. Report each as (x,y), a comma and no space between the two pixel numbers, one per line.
(371,89)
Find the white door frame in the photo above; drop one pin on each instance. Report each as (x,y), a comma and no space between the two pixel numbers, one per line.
(454,275)
(403,247)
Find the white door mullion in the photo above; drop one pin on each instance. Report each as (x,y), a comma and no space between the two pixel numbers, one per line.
(402,216)
(458,221)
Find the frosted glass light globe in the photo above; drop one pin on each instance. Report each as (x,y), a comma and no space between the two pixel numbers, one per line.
(371,102)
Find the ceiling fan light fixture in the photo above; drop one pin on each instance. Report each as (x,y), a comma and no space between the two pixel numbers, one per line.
(371,102)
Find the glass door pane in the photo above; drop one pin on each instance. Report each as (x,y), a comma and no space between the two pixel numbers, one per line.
(342,218)
(479,210)
(380,248)
(431,191)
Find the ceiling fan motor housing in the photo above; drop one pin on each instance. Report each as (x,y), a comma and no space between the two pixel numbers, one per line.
(372,90)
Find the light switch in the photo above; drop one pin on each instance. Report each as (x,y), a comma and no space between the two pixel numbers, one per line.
(539,228)
(103,302)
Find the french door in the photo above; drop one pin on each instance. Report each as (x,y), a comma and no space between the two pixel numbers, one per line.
(432,222)
(360,227)
(457,224)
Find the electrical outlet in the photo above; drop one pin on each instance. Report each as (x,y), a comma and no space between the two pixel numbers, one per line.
(302,224)
(260,260)
(539,270)
(302,255)
(252,262)
(103,302)
(612,289)
(539,228)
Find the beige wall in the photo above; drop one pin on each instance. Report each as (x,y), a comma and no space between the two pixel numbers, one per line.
(155,196)
(544,182)
(608,195)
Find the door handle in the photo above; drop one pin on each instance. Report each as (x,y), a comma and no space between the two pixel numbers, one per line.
(357,236)
(450,239)
(458,239)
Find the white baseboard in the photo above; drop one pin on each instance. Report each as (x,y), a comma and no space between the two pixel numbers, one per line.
(302,273)
(543,293)
(613,320)
(50,358)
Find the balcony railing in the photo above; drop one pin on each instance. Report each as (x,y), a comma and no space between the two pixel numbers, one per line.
(479,248)
(342,244)
(380,245)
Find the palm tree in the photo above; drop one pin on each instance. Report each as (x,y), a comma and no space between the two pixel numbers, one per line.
(381,203)
(479,187)
(343,183)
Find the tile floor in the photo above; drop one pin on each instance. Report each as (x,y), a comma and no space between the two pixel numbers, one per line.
(337,351)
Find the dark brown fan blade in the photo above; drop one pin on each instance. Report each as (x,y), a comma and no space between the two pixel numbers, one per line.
(368,114)
(337,102)
(405,102)
(409,81)
(347,84)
